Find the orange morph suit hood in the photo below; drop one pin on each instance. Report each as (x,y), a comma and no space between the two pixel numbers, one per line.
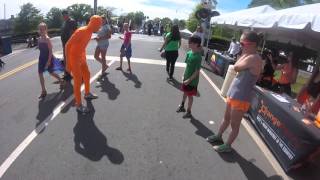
(95,23)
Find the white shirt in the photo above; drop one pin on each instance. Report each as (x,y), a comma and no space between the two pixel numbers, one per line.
(234,48)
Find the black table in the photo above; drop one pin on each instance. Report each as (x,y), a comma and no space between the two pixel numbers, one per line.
(290,137)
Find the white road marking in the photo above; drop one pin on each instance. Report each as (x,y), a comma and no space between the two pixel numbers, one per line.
(134,60)
(27,141)
(272,160)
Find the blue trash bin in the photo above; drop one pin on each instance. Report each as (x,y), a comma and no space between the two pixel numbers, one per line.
(6,45)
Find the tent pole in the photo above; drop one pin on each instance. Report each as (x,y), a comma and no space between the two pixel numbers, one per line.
(264,43)
(209,36)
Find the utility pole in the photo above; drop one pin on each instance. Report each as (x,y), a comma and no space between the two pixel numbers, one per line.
(4,11)
(95,6)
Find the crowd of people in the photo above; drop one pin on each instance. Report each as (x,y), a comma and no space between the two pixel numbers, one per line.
(249,68)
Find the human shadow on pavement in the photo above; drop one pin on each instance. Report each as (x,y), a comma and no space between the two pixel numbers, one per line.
(90,142)
(251,171)
(47,105)
(108,87)
(178,85)
(202,130)
(174,83)
(134,78)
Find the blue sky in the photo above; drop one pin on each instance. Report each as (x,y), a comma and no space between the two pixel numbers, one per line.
(153,8)
(232,5)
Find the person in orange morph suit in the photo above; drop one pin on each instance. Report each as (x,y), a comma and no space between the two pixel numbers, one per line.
(77,65)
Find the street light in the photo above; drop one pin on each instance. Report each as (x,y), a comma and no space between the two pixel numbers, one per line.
(95,7)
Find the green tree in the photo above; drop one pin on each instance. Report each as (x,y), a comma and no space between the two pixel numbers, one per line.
(165,21)
(28,19)
(193,22)
(182,24)
(130,17)
(108,11)
(175,21)
(156,20)
(54,18)
(138,18)
(80,12)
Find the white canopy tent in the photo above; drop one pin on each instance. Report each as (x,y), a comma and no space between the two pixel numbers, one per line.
(233,17)
(298,26)
(186,33)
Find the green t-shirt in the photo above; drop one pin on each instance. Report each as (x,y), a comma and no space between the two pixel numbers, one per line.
(193,62)
(172,45)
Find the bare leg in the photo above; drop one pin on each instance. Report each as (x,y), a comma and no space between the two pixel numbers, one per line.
(190,103)
(97,55)
(226,121)
(42,82)
(121,59)
(236,117)
(129,64)
(103,60)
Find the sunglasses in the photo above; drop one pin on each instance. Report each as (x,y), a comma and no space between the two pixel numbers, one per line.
(246,43)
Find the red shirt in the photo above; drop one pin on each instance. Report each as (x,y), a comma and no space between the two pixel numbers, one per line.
(127,38)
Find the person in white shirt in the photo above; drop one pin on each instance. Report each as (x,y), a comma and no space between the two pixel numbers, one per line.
(199,33)
(234,48)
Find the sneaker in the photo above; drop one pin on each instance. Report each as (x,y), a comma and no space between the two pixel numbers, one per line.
(83,109)
(119,68)
(222,148)
(90,96)
(170,79)
(187,115)
(214,138)
(181,109)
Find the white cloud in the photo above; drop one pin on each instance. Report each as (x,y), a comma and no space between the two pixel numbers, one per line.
(177,8)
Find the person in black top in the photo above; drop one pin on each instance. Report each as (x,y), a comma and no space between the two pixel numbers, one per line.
(69,26)
(268,70)
(150,27)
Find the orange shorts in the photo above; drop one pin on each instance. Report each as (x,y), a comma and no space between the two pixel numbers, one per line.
(317,121)
(238,105)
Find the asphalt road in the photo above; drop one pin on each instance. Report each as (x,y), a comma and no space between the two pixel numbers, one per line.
(132,132)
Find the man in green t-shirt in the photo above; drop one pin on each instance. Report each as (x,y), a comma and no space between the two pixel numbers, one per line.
(191,75)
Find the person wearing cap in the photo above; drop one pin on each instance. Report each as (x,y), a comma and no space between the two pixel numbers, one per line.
(68,27)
